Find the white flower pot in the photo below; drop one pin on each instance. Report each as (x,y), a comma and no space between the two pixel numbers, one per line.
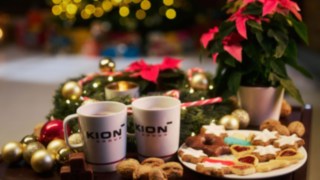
(261,103)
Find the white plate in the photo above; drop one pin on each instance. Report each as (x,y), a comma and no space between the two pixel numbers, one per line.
(273,173)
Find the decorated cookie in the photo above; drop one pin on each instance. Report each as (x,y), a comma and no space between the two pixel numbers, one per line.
(210,144)
(264,138)
(214,167)
(290,154)
(189,154)
(237,141)
(217,130)
(238,150)
(272,165)
(242,169)
(217,160)
(266,153)
(248,159)
(292,141)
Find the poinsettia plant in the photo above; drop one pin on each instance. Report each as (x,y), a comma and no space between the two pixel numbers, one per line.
(255,44)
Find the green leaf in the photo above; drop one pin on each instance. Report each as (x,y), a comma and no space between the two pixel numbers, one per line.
(253,9)
(234,81)
(279,68)
(288,85)
(291,59)
(254,25)
(300,28)
(265,46)
(282,40)
(226,28)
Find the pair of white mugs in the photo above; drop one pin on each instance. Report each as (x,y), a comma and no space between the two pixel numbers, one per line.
(104,130)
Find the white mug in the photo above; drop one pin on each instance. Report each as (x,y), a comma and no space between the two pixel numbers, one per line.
(157,126)
(103,126)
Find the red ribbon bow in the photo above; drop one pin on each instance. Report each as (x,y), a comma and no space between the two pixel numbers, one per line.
(150,72)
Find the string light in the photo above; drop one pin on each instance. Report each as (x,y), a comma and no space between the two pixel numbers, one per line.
(110,78)
(89,9)
(168,2)
(71,8)
(124,11)
(171,13)
(56,10)
(98,12)
(84,15)
(56,1)
(107,6)
(141,14)
(211,87)
(145,5)
(1,33)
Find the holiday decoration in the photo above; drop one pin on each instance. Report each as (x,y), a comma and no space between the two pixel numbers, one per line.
(202,102)
(11,152)
(75,139)
(71,90)
(63,155)
(107,65)
(51,130)
(199,81)
(77,168)
(28,139)
(88,101)
(230,122)
(30,149)
(37,129)
(55,145)
(242,116)
(42,161)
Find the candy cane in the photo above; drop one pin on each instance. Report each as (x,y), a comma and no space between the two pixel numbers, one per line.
(202,102)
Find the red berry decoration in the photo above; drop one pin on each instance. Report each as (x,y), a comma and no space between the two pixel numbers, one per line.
(51,130)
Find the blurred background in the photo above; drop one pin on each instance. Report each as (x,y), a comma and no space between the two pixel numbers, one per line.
(44,42)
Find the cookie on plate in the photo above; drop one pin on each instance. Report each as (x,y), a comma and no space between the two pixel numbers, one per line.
(264,138)
(248,159)
(242,169)
(212,169)
(238,150)
(217,130)
(290,154)
(191,155)
(292,141)
(266,153)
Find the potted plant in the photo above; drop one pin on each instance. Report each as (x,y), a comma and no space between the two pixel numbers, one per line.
(253,47)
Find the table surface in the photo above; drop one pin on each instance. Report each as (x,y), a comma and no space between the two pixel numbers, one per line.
(303,114)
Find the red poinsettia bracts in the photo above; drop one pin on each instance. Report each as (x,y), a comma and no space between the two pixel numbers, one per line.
(280,6)
(208,36)
(241,19)
(150,72)
(232,45)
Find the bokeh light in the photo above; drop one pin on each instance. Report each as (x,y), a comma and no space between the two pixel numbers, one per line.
(71,8)
(168,2)
(171,13)
(141,14)
(107,6)
(56,10)
(124,11)
(98,12)
(145,5)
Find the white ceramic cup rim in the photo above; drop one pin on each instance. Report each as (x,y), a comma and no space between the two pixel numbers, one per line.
(81,109)
(139,104)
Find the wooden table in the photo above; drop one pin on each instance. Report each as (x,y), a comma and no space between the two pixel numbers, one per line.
(303,114)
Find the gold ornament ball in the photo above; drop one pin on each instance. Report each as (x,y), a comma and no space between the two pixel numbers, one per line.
(71,90)
(63,155)
(55,145)
(88,101)
(230,122)
(76,139)
(242,116)
(37,129)
(12,152)
(42,161)
(30,149)
(199,81)
(107,65)
(28,139)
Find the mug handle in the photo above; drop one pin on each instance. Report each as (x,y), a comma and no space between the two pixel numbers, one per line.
(65,127)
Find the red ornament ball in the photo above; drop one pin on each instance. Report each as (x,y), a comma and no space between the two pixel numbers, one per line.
(51,130)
